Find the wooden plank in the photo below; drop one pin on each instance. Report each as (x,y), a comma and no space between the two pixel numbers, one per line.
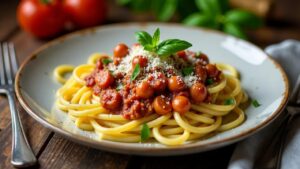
(64,154)
(212,159)
(8,22)
(4,112)
(269,35)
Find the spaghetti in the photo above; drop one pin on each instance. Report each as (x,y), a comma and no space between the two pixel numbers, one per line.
(85,107)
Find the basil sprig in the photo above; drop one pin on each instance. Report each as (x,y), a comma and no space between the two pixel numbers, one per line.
(164,48)
(215,14)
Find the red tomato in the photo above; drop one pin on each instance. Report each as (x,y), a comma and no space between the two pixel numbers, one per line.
(42,19)
(85,13)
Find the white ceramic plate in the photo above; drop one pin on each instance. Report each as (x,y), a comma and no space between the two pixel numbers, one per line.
(261,77)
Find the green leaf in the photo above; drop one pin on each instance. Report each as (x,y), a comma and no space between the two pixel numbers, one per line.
(197,19)
(255,103)
(186,8)
(234,30)
(106,61)
(164,9)
(203,5)
(230,101)
(187,71)
(209,81)
(144,38)
(243,19)
(123,2)
(140,5)
(170,46)
(45,2)
(156,38)
(224,5)
(145,132)
(136,72)
(209,7)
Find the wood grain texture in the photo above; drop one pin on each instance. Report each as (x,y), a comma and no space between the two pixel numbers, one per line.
(8,22)
(64,154)
(269,35)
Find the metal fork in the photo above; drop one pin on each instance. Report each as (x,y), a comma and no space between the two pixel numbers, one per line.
(22,155)
(272,157)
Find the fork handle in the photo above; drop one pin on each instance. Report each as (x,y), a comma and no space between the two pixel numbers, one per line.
(22,155)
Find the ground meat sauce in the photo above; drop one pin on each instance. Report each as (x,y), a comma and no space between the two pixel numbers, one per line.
(161,89)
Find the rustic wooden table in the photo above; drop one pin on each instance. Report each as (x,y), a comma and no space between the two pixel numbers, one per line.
(53,151)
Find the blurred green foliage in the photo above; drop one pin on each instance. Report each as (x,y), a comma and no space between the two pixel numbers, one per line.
(215,14)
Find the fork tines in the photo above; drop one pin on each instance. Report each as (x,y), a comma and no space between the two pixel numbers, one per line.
(8,63)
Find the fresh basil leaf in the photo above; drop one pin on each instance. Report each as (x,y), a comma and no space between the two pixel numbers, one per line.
(209,7)
(230,101)
(197,19)
(140,5)
(187,71)
(149,48)
(123,2)
(106,61)
(136,72)
(143,38)
(166,9)
(234,30)
(145,132)
(209,81)
(170,46)
(204,6)
(156,38)
(243,19)
(255,103)
(224,5)
(186,8)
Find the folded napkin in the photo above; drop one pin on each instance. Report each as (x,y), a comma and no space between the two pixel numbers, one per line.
(247,152)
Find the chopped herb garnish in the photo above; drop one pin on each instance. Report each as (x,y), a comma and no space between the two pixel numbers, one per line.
(136,72)
(255,103)
(230,101)
(145,132)
(187,71)
(209,81)
(106,61)
(165,48)
(197,55)
(119,87)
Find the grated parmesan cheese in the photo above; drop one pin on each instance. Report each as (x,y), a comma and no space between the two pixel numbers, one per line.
(154,61)
(190,80)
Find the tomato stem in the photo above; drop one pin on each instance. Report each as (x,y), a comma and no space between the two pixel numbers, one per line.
(45,1)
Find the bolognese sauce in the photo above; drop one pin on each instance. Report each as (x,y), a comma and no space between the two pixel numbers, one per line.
(161,85)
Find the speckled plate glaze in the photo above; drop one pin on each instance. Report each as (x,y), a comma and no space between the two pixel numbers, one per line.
(261,77)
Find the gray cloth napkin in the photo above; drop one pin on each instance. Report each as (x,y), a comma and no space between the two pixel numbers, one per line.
(248,151)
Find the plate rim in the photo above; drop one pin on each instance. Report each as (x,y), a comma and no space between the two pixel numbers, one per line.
(141,150)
